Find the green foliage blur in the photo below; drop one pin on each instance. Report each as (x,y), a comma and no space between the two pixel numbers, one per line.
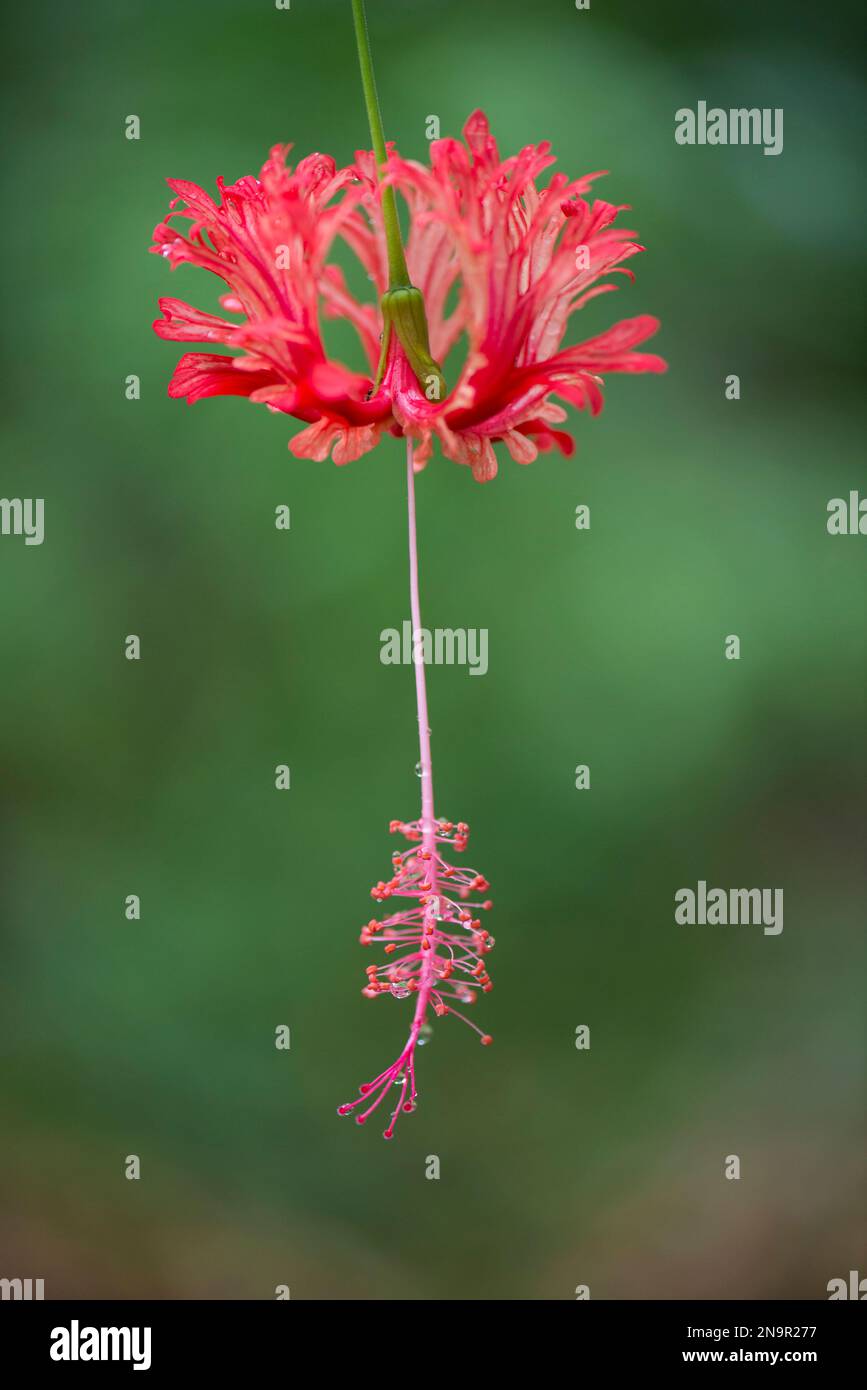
(260,647)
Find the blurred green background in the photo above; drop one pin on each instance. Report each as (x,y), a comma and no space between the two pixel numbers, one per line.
(261,647)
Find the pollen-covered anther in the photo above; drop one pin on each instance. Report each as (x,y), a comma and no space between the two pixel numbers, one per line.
(486,1040)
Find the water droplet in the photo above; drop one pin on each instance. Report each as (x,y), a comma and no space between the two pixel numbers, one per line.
(425,1033)
(399,1079)
(419,770)
(400,992)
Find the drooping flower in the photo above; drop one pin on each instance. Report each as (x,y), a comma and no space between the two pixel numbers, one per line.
(499,263)
(491,259)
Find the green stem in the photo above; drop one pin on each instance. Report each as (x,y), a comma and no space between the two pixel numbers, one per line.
(398,275)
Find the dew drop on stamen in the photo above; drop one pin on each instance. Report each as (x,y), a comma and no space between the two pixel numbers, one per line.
(419,770)
(400,992)
(425,1033)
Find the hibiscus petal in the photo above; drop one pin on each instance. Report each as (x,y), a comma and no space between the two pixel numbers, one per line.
(522,449)
(201,374)
(182,323)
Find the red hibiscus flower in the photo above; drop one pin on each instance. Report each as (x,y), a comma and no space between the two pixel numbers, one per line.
(498,263)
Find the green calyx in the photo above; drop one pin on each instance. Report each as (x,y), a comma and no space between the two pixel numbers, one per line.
(403,313)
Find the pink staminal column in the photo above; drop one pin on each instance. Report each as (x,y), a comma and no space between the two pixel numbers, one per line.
(428,820)
(438,935)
